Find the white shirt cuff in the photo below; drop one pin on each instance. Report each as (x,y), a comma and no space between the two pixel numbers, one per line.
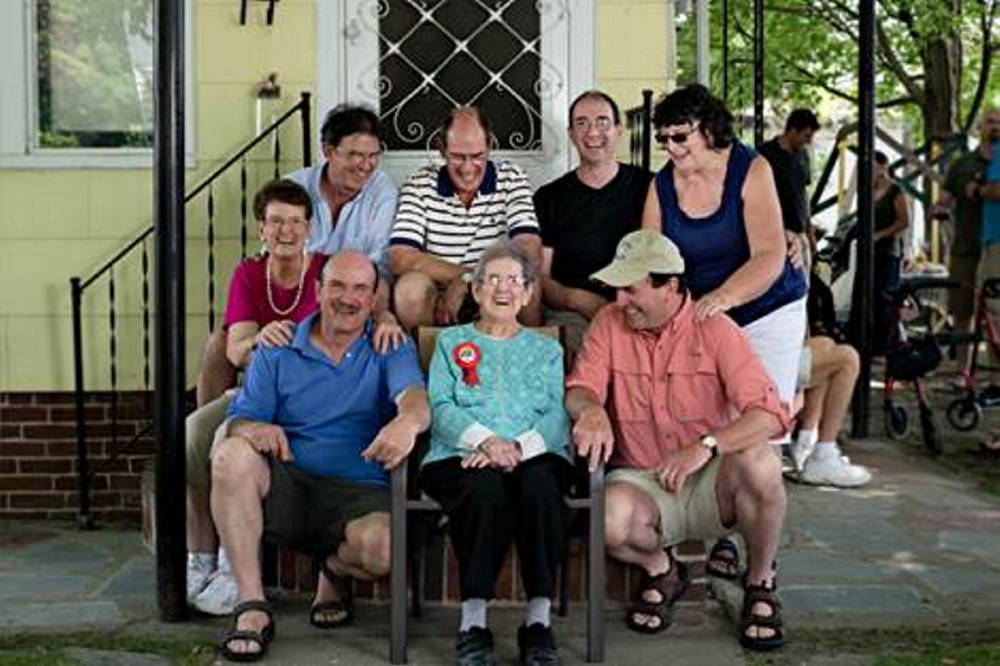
(474,435)
(532,444)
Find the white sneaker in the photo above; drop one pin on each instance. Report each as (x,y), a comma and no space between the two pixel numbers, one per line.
(219,596)
(198,574)
(800,451)
(834,470)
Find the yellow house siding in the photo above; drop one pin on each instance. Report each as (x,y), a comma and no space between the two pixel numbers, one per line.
(632,52)
(58,223)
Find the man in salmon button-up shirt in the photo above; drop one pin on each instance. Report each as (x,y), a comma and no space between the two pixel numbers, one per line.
(682,408)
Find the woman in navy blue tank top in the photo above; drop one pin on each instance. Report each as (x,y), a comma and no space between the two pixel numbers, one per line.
(717,201)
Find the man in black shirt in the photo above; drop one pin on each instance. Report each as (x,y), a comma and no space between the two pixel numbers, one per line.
(789,162)
(584,213)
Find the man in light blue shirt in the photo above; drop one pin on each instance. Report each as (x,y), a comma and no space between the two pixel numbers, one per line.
(989,265)
(354,200)
(313,433)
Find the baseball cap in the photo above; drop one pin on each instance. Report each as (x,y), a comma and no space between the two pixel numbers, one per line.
(638,254)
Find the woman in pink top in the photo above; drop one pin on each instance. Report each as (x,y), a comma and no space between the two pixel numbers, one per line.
(268,295)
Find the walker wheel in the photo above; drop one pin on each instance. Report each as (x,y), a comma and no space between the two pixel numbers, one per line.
(964,414)
(897,422)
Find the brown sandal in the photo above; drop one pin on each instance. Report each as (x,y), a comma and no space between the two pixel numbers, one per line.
(344,606)
(670,586)
(761,594)
(724,560)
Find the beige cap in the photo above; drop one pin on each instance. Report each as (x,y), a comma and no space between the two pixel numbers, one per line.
(638,254)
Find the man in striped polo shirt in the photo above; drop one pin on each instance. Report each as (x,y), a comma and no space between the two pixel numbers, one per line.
(448,215)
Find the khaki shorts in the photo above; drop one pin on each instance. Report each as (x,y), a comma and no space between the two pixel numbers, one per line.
(201,428)
(691,514)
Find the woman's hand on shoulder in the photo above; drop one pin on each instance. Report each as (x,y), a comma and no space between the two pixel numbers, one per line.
(276,334)
(713,303)
(388,333)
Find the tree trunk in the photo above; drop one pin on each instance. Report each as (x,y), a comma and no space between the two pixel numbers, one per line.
(942,76)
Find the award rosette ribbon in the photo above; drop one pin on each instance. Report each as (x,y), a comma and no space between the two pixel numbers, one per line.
(467,356)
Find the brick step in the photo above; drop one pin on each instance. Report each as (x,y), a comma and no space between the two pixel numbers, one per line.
(291,571)
(296,572)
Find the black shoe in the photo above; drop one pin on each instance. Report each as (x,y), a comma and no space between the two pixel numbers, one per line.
(537,646)
(475,647)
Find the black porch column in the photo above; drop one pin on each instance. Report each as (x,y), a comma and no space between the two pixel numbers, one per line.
(168,166)
(862,302)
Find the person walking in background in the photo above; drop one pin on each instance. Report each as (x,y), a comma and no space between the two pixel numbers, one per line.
(788,156)
(892,217)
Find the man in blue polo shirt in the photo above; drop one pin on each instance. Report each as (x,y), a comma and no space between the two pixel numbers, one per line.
(313,433)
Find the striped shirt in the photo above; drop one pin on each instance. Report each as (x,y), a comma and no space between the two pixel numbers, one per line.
(433,219)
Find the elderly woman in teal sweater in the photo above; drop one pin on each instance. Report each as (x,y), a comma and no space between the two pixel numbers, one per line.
(499,457)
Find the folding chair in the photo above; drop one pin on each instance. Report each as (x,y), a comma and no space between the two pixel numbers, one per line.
(403,504)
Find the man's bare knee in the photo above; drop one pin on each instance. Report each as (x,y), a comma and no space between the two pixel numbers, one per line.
(756,471)
(413,298)
(849,359)
(370,539)
(235,463)
(621,512)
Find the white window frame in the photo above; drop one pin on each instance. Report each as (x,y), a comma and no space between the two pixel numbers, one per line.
(18,121)
(335,78)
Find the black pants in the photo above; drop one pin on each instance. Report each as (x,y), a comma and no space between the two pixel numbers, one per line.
(488,509)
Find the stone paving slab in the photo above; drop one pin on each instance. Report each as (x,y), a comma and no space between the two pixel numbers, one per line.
(89,657)
(60,616)
(897,602)
(137,577)
(25,585)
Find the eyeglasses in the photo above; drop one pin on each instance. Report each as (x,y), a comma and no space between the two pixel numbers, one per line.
(357,157)
(462,158)
(278,221)
(663,138)
(584,125)
(512,281)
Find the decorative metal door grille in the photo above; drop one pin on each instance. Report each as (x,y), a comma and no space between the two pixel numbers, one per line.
(436,54)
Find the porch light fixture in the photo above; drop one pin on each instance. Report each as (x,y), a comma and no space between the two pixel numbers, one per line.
(269,15)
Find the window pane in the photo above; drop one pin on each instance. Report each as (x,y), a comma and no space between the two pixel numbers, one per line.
(437,54)
(95,73)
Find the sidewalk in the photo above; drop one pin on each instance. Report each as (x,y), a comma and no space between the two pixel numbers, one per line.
(916,548)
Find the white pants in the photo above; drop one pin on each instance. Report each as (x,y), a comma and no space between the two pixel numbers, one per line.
(777,338)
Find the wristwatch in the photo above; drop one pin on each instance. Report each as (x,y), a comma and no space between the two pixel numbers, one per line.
(711,444)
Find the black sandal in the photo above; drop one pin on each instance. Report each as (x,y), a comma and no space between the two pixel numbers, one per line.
(260,638)
(761,594)
(670,586)
(344,605)
(724,560)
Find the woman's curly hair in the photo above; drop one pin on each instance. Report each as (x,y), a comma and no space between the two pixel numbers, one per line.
(696,105)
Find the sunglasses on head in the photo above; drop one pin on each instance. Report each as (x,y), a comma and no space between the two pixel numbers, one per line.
(663,138)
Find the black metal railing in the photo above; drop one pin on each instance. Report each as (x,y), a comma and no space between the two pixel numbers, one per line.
(928,165)
(638,121)
(111,268)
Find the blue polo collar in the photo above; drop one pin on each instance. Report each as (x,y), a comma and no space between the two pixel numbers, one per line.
(300,341)
(447,189)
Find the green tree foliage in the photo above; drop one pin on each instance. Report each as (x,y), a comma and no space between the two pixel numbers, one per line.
(934,57)
(93,71)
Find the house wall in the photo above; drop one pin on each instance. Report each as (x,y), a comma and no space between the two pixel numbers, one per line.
(59,223)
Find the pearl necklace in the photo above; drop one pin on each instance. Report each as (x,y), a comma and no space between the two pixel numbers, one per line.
(298,291)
